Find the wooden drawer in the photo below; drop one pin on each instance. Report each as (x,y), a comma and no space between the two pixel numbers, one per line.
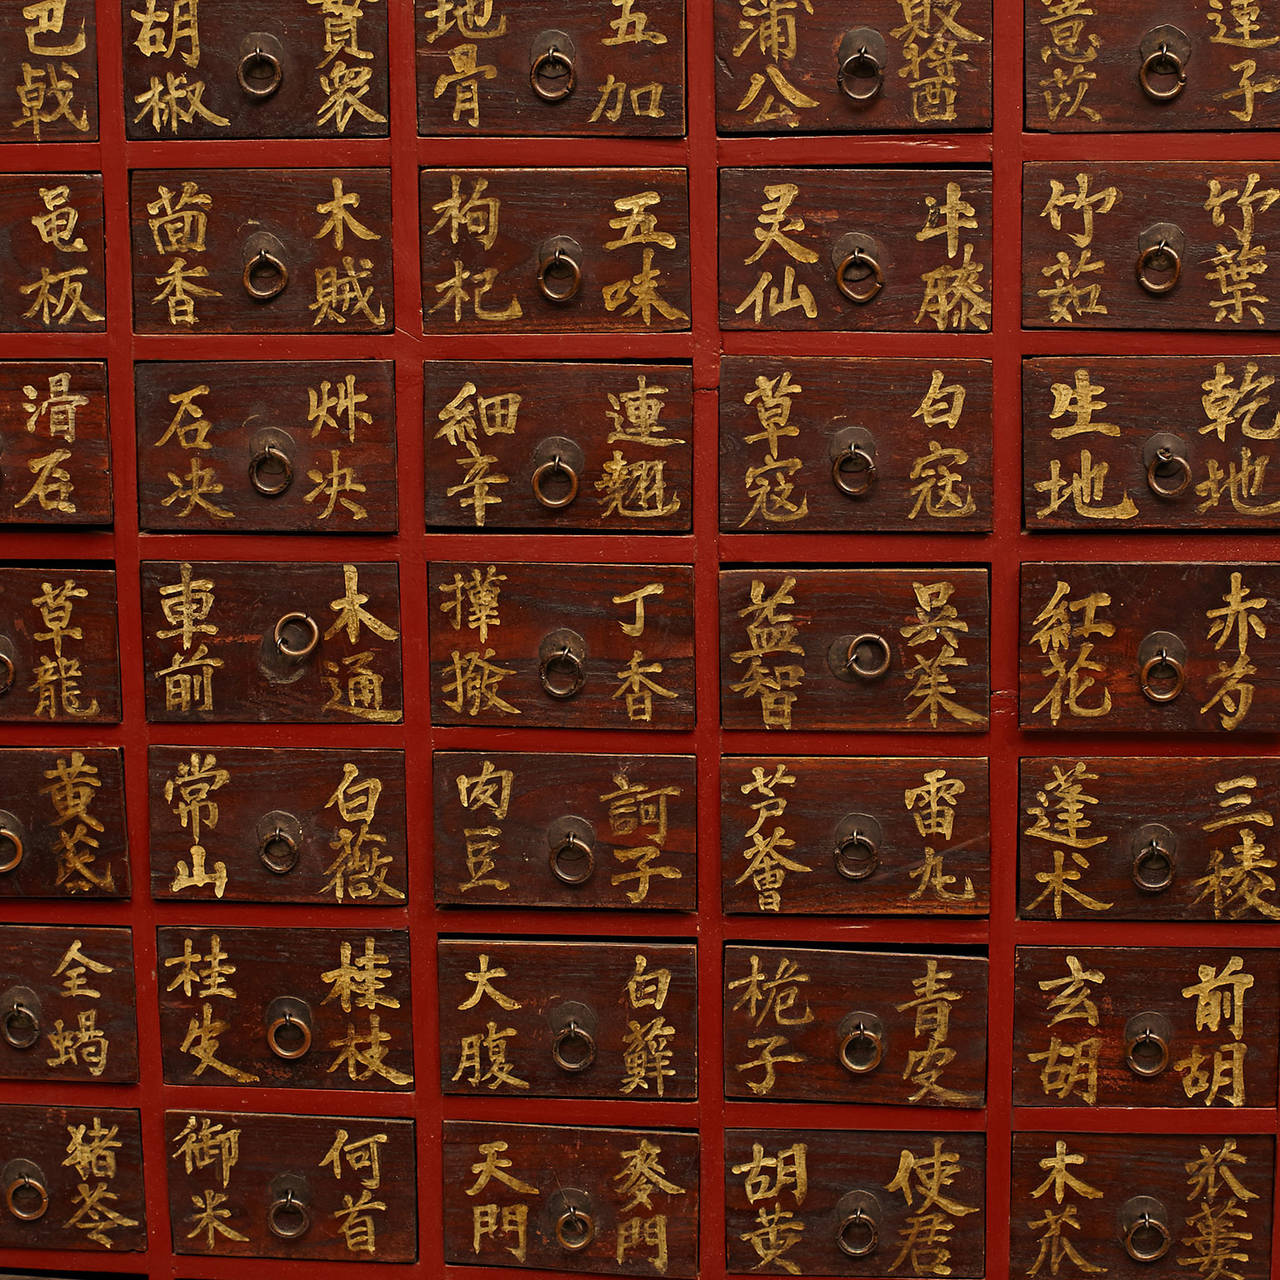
(882,836)
(819,1202)
(262,251)
(854,649)
(53,53)
(624,1200)
(576,1019)
(67,997)
(72,1179)
(280,1186)
(59,659)
(298,1008)
(250,824)
(613,73)
(559,446)
(1145,1027)
(287,69)
(233,446)
(912,248)
(55,450)
(1207,1199)
(62,829)
(554,830)
(615,651)
(299,643)
(490,240)
(878,1028)
(1093,636)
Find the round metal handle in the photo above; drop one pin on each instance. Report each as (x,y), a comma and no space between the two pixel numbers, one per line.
(270,855)
(861,75)
(556,466)
(287,649)
(854,472)
(12,848)
(1146,1052)
(559,258)
(288,1217)
(296,1028)
(261,86)
(1162,459)
(1161,249)
(1162,660)
(268,461)
(20,1026)
(263,262)
(863,668)
(1136,1248)
(28,1186)
(858,867)
(858,1235)
(874,275)
(1152,855)
(563,657)
(1162,61)
(575,1229)
(861,1035)
(572,848)
(573,1033)
(561,85)
(7,672)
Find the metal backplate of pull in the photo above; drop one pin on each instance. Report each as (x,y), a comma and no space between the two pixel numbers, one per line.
(1162,250)
(852,451)
(865,657)
(1147,1037)
(13,842)
(1168,465)
(20,1017)
(1153,859)
(289,1209)
(557,465)
(26,1191)
(8,665)
(288,1027)
(279,836)
(562,659)
(271,461)
(860,1042)
(1164,52)
(260,71)
(860,64)
(571,849)
(858,838)
(575,1223)
(265,274)
(573,1036)
(859,263)
(553,73)
(858,1215)
(1144,1229)
(559,269)
(1162,666)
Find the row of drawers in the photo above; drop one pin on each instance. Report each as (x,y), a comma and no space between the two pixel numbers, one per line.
(625,1201)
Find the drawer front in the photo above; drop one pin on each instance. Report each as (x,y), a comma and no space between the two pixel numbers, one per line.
(883,836)
(54,56)
(232,447)
(514,1193)
(1095,67)
(854,649)
(818,1202)
(73,1179)
(819,69)
(262,251)
(859,445)
(616,652)
(298,1008)
(52,249)
(1092,239)
(491,69)
(68,1001)
(568,1019)
(870,249)
(279,1186)
(555,250)
(230,69)
(62,829)
(1110,838)
(553,830)
(1207,1200)
(1145,1027)
(59,659)
(1164,647)
(55,450)
(559,446)
(248,824)
(296,643)
(878,1028)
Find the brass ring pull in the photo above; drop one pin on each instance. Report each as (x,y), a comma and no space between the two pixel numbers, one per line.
(873,274)
(288,1217)
(1161,249)
(7,672)
(559,258)
(563,657)
(296,652)
(556,466)
(854,472)
(572,848)
(1138,1055)
(863,669)
(575,1229)
(265,87)
(1152,854)
(17,848)
(1164,62)
(861,66)
(277,282)
(278,864)
(19,1026)
(1150,1253)
(1163,458)
(280,1046)
(25,1182)
(861,1035)
(858,1235)
(562,85)
(1162,660)
(858,867)
(573,1033)
(270,458)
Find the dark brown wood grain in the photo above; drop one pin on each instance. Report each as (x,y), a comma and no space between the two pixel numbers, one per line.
(51,792)
(631,803)
(51,59)
(355,1176)
(349,807)
(66,667)
(345,680)
(778,628)
(291,963)
(55,449)
(920,248)
(333,73)
(1121,1166)
(1206,804)
(89,1160)
(490,426)
(464,238)
(474,74)
(552,1160)
(929,424)
(796,808)
(794,1001)
(1141,599)
(212,223)
(936,72)
(333,421)
(638,1003)
(890,1167)
(621,663)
